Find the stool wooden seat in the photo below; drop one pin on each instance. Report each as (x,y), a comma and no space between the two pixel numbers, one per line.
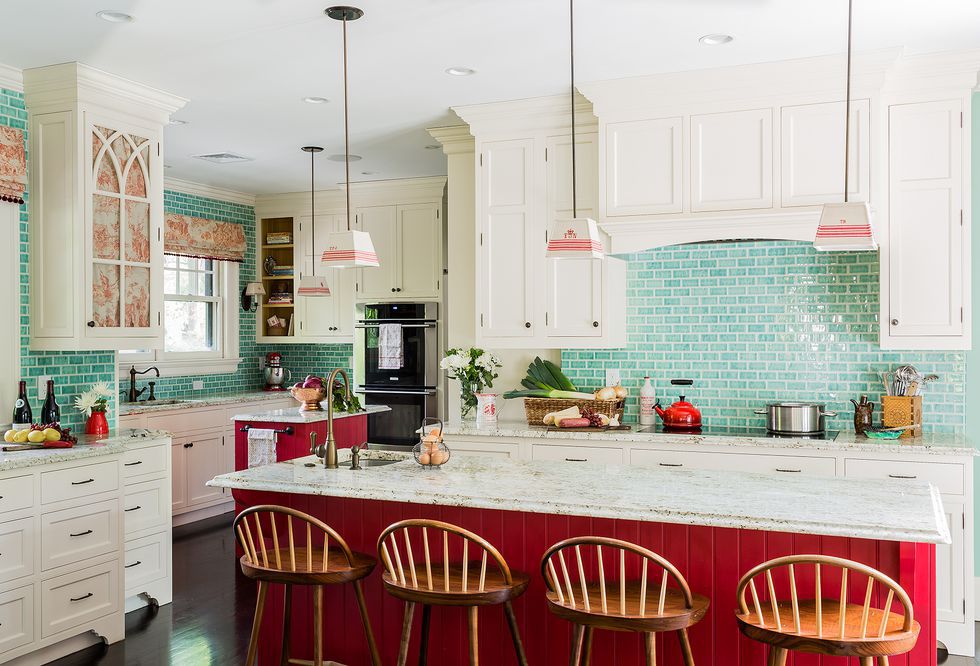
(825,624)
(285,562)
(646,606)
(422,569)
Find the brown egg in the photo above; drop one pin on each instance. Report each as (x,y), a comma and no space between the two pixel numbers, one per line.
(425,458)
(430,446)
(439,457)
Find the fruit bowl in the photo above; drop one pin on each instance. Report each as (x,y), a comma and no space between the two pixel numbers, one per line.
(309,398)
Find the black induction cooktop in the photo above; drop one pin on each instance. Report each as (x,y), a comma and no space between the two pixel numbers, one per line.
(720,431)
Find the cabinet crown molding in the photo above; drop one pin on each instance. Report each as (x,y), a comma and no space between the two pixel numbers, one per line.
(454,139)
(539,113)
(208,191)
(374,193)
(11,78)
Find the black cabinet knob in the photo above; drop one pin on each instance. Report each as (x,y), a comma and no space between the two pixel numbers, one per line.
(393,290)
(595,324)
(527,324)
(188,445)
(91,324)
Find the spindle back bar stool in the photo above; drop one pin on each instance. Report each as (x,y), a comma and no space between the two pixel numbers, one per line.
(647,606)
(305,551)
(823,625)
(422,569)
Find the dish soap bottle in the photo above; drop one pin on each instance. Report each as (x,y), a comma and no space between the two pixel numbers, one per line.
(647,400)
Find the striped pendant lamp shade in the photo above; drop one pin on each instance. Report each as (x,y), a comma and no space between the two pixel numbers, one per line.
(575,239)
(313,286)
(845,227)
(349,249)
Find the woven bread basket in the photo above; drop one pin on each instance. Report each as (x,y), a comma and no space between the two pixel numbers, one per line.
(536,408)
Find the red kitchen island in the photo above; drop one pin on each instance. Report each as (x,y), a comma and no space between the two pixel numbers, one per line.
(714,526)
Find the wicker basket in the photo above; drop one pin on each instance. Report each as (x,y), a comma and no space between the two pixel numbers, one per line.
(536,408)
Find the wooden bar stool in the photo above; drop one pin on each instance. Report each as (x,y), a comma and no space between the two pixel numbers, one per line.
(824,625)
(619,604)
(332,564)
(419,578)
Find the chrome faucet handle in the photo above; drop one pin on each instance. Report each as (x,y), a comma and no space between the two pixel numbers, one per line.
(355,457)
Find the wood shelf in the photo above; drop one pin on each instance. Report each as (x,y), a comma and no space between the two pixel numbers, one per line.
(278,305)
(278,277)
(278,246)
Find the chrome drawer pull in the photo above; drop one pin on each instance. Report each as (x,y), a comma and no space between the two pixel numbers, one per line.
(84,596)
(903,476)
(134,508)
(576,459)
(671,464)
(138,462)
(81,533)
(134,564)
(81,483)
(789,471)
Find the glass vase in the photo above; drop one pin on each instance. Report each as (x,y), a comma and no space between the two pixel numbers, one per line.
(467,400)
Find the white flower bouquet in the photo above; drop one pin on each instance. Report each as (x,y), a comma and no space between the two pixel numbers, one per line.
(96,399)
(475,369)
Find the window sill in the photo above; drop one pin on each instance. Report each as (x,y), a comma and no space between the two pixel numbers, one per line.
(183,368)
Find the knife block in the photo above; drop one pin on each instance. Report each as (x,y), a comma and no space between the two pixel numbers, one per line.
(900,410)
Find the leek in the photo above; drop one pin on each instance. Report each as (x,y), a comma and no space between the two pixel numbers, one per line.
(553,393)
(546,380)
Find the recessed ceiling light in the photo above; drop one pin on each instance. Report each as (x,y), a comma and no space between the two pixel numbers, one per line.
(115,16)
(315,100)
(223,158)
(460,71)
(715,39)
(339,157)
(176,121)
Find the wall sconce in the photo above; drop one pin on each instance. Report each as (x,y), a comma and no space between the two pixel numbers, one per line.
(250,296)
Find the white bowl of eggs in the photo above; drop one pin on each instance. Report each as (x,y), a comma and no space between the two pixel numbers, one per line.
(431,451)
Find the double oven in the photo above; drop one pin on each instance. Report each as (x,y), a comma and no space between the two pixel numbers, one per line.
(408,385)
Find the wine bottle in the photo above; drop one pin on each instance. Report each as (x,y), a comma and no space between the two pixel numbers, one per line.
(22,409)
(50,411)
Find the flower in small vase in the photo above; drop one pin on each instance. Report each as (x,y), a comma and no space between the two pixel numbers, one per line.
(475,369)
(95,399)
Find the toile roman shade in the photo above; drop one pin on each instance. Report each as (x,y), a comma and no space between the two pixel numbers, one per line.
(188,236)
(13,165)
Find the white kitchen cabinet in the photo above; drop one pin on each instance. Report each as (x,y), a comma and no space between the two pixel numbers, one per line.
(925,294)
(609,455)
(178,465)
(408,241)
(204,459)
(731,160)
(382,223)
(643,167)
(324,319)
(950,594)
(812,167)
(96,184)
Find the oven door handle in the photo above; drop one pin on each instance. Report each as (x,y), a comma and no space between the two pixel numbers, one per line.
(361,389)
(402,325)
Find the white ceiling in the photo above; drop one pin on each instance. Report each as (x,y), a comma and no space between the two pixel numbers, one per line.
(245,65)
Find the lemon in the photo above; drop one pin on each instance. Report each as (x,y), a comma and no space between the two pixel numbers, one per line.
(52,434)
(9,435)
(35,436)
(21,436)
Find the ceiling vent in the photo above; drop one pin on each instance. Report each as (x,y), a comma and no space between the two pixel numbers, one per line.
(223,158)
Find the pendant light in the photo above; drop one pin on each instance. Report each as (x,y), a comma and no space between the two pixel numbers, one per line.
(313,285)
(348,249)
(846,226)
(579,237)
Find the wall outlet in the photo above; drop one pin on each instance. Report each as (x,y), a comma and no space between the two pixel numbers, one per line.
(613,376)
(42,385)
(197,385)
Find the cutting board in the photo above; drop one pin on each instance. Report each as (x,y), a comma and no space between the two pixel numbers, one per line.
(590,429)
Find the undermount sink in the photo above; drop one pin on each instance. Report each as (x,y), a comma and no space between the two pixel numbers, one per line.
(375,462)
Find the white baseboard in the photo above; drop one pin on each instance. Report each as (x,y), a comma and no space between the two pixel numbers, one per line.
(201,514)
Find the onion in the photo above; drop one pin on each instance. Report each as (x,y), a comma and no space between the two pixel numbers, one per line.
(607,393)
(621,392)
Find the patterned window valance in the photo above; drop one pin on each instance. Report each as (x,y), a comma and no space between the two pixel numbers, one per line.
(13,165)
(206,239)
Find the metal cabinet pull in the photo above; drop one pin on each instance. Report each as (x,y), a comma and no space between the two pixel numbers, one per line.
(84,596)
(595,324)
(81,483)
(577,459)
(138,462)
(894,322)
(527,324)
(91,324)
(903,476)
(134,564)
(671,464)
(789,471)
(188,445)
(80,533)
(134,508)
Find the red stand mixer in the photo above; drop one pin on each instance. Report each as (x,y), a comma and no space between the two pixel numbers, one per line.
(275,375)
(681,416)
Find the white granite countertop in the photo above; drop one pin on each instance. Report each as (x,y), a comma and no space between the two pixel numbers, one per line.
(88,446)
(195,400)
(869,509)
(296,416)
(928,443)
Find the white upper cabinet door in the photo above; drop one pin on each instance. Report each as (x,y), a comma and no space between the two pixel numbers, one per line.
(505,283)
(925,253)
(381,223)
(420,250)
(731,160)
(643,167)
(559,167)
(332,316)
(813,151)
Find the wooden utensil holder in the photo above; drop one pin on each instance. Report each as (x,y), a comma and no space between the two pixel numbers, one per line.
(899,410)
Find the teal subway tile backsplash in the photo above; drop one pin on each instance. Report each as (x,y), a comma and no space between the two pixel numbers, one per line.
(753,322)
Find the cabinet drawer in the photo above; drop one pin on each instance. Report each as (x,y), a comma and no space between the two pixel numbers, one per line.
(739,462)
(16,549)
(145,460)
(948,477)
(188,420)
(16,618)
(146,561)
(16,493)
(77,533)
(493,448)
(597,454)
(78,597)
(77,482)
(146,505)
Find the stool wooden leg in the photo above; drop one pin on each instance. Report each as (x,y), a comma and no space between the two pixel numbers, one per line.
(882,661)
(777,656)
(474,641)
(406,633)
(366,621)
(575,655)
(424,639)
(650,640)
(253,642)
(286,613)
(867,661)
(587,647)
(685,647)
(514,633)
(318,625)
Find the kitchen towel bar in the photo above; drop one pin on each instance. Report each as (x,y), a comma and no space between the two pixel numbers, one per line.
(288,430)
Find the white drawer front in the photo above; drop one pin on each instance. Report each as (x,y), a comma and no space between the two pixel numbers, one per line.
(16,493)
(188,420)
(73,599)
(75,534)
(78,482)
(16,618)
(594,454)
(146,505)
(16,549)
(948,477)
(145,561)
(740,462)
(145,460)
(493,449)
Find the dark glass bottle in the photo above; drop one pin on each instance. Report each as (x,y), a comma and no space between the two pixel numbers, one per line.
(22,409)
(50,411)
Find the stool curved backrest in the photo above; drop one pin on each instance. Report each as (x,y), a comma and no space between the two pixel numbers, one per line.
(311,531)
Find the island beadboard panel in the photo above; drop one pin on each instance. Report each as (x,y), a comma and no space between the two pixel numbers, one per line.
(752,322)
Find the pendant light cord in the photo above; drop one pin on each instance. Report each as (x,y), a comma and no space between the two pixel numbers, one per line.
(313,205)
(346,128)
(571,53)
(847,101)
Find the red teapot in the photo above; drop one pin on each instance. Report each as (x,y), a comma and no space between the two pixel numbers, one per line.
(681,415)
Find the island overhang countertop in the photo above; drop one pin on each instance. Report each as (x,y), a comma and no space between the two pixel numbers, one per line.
(296,416)
(865,509)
